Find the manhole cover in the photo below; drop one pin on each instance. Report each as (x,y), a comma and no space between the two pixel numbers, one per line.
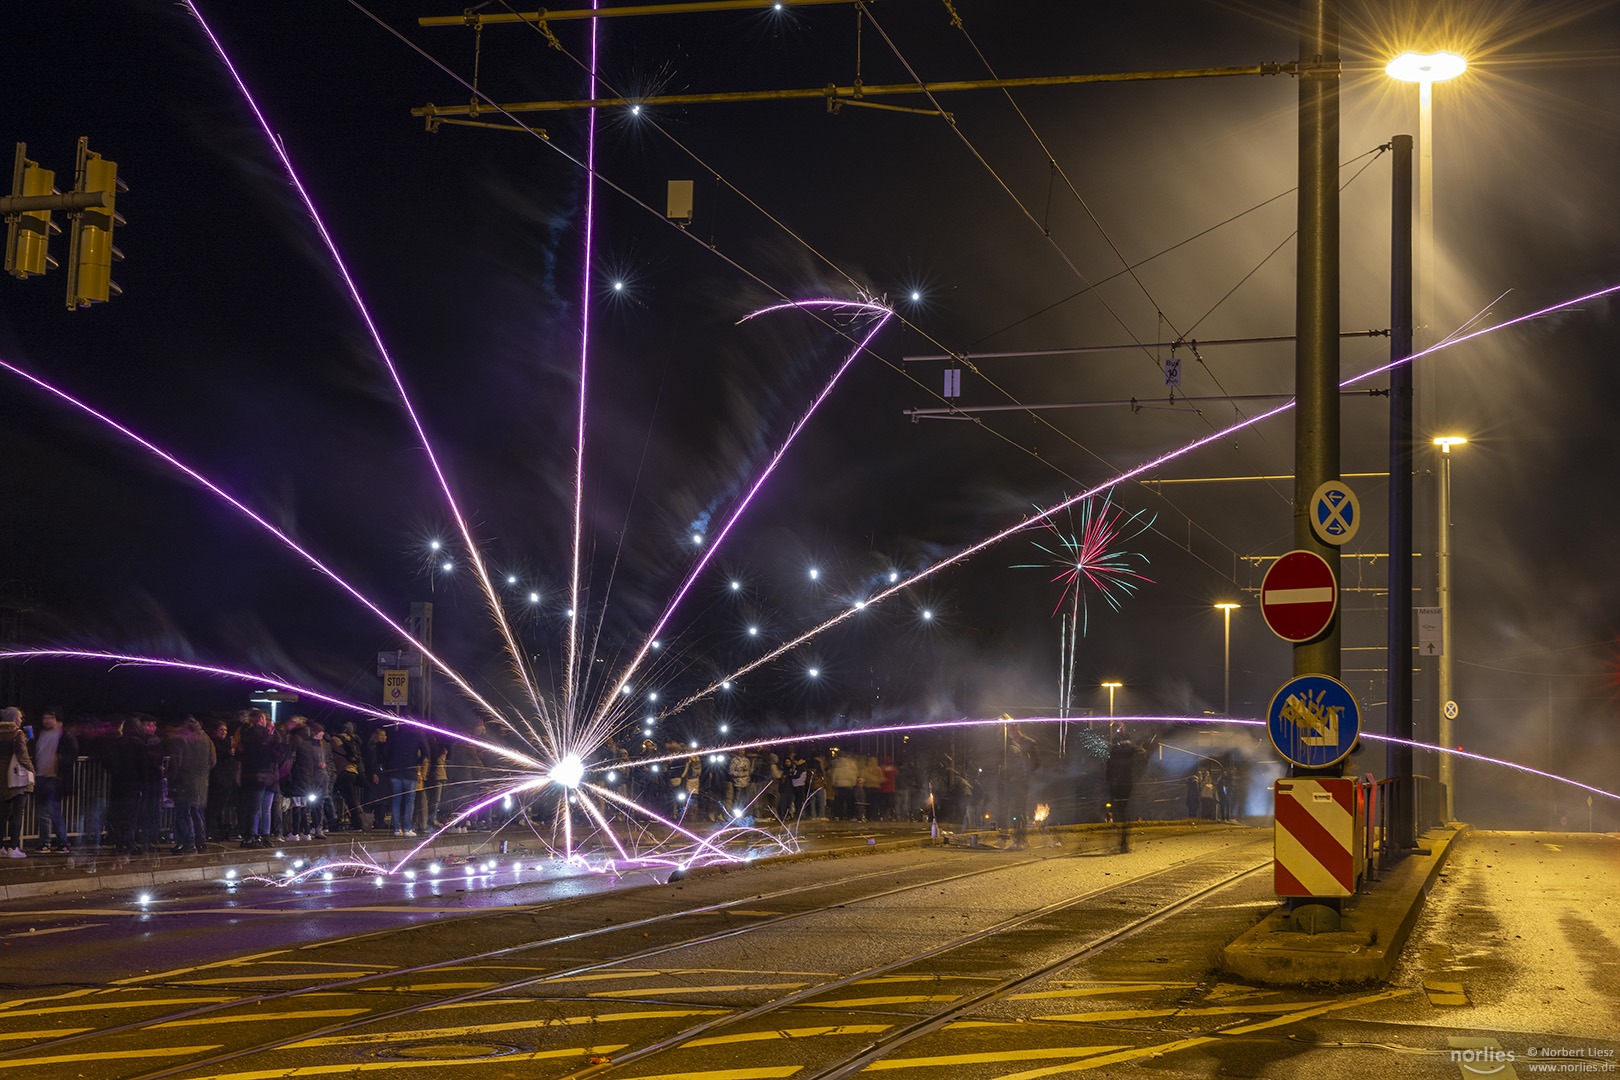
(449,1051)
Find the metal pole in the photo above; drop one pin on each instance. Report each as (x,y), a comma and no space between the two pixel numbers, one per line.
(1398,713)
(1316,306)
(1447,735)
(1425,394)
(1226,700)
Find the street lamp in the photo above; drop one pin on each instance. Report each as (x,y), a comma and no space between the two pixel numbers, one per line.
(1111,687)
(1226,702)
(1426,69)
(1447,737)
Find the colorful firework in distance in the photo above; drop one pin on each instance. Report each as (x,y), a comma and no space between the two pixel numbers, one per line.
(1091,554)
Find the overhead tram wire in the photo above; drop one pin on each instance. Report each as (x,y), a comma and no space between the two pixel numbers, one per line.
(554,43)
(1037,313)
(974,150)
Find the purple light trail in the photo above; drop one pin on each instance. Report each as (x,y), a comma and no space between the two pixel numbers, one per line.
(571,674)
(1129,474)
(268,680)
(393,373)
(946,725)
(254,517)
(603,719)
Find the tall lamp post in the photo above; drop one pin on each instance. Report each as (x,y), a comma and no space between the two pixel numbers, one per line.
(1111,687)
(1226,700)
(1426,69)
(1447,736)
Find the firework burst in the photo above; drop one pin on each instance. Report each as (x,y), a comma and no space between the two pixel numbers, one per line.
(1090,555)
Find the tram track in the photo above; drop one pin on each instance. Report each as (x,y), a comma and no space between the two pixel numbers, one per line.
(341,1028)
(363,981)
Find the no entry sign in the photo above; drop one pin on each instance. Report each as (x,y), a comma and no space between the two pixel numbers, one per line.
(1299,596)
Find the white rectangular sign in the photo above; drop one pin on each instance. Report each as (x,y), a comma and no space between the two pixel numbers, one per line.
(1430,627)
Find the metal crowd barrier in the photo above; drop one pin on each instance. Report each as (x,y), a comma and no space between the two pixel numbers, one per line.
(88,788)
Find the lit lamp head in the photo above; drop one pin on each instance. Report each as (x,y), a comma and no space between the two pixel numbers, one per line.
(1426,67)
(1446,442)
(1227,607)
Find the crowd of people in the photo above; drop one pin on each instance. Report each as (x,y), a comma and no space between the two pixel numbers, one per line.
(253,782)
(245,780)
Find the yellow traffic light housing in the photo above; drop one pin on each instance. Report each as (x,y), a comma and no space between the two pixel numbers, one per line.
(28,233)
(90,244)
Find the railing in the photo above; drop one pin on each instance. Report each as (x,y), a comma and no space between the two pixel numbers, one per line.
(89,789)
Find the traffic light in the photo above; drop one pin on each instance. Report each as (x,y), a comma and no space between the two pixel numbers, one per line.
(90,243)
(28,233)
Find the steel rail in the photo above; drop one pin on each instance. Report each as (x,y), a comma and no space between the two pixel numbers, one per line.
(881,1046)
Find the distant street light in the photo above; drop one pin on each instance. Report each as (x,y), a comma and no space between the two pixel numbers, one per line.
(1111,687)
(1226,701)
(1447,737)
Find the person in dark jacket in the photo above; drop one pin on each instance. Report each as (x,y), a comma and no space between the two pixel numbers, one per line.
(55,752)
(307,780)
(402,755)
(258,778)
(222,783)
(191,760)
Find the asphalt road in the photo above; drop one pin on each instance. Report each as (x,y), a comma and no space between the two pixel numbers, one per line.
(934,962)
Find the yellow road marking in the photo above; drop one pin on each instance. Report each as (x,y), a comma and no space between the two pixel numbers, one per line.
(237,961)
(266,978)
(899,999)
(308,1014)
(1159,1049)
(1195,1010)
(373,1066)
(1096,991)
(767,1073)
(408,988)
(485,1029)
(14,1002)
(50,1033)
(922,978)
(751,911)
(98,1005)
(645,991)
(790,1033)
(365,969)
(989,1058)
(105,1055)
(1235,992)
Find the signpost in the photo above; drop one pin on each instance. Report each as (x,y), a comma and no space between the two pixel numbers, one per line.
(1335,513)
(396,687)
(1299,596)
(1313,721)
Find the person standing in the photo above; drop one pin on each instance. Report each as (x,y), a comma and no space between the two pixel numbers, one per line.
(221,785)
(259,779)
(19,778)
(402,757)
(741,770)
(1015,778)
(191,762)
(842,772)
(55,752)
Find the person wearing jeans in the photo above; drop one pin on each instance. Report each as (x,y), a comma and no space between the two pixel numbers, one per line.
(55,752)
(18,780)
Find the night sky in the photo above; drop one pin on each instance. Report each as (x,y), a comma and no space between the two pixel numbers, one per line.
(236,347)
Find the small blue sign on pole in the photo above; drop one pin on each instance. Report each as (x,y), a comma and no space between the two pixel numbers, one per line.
(1314,721)
(1335,513)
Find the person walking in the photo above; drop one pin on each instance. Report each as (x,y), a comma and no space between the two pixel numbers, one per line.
(55,752)
(19,779)
(191,761)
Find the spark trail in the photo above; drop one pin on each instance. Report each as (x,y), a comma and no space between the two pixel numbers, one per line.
(383,353)
(576,617)
(1130,474)
(257,519)
(603,718)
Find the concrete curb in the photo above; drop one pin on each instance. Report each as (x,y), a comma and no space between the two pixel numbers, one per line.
(1378,922)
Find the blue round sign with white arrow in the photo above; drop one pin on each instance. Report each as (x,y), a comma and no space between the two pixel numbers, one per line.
(1314,721)
(1335,513)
